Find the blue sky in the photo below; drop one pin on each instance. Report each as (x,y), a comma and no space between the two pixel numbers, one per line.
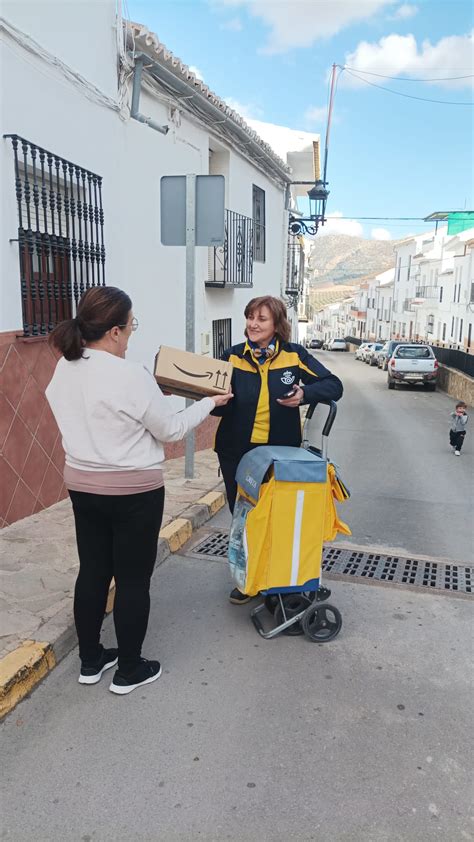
(389,155)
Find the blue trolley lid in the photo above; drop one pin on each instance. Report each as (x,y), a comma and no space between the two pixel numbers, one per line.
(290,464)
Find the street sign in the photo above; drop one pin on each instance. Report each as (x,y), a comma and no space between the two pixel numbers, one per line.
(209,210)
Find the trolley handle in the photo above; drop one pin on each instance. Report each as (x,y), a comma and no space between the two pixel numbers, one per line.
(330,418)
(326,429)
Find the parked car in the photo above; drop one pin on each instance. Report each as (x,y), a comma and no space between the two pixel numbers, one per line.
(413,364)
(315,343)
(386,352)
(361,350)
(337,345)
(371,355)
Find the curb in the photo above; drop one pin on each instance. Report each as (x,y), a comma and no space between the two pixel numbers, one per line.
(24,668)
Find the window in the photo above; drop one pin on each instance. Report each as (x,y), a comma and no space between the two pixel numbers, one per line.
(455,292)
(460,330)
(258,213)
(472,293)
(398,268)
(430,323)
(221,336)
(413,353)
(440,294)
(409,267)
(60,234)
(469,335)
(459,292)
(444,332)
(452,326)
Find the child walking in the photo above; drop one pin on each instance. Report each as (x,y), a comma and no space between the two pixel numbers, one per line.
(457,432)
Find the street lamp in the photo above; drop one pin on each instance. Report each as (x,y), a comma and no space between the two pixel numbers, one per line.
(317,207)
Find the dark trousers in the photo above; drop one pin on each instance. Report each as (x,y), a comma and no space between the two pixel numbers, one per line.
(456,439)
(228,463)
(117,536)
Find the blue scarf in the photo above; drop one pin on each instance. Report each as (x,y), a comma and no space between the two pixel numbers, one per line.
(262,354)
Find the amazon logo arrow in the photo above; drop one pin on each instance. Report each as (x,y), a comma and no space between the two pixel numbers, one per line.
(207,374)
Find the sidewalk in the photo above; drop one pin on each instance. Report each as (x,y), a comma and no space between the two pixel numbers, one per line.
(38,567)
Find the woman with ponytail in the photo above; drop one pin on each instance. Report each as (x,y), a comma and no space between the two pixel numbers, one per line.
(113,420)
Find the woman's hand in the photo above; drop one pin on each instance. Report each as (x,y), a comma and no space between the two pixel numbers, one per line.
(295,400)
(222,400)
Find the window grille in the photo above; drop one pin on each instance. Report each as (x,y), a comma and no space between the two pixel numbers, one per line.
(60,234)
(258,204)
(221,336)
(232,263)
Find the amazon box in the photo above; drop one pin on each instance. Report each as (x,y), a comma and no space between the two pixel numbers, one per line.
(191,375)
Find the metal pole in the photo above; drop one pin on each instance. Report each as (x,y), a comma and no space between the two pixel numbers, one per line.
(190,301)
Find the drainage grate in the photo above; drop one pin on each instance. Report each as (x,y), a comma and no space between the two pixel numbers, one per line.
(383,568)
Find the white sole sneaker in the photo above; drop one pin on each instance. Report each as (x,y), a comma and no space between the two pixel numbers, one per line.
(94,679)
(123,690)
(457,453)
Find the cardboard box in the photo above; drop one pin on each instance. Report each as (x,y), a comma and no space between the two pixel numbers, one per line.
(191,375)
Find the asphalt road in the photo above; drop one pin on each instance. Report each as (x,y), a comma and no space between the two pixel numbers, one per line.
(409,492)
(365,739)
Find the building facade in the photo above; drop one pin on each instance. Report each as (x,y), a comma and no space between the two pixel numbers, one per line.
(96,111)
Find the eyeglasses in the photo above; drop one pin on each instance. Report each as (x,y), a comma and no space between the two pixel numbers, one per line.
(133,324)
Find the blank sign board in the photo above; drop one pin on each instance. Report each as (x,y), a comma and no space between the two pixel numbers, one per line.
(209,207)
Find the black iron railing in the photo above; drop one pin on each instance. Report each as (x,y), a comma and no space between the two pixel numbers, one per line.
(60,234)
(221,336)
(294,267)
(232,263)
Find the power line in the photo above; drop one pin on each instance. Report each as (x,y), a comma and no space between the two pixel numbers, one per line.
(407,96)
(406,78)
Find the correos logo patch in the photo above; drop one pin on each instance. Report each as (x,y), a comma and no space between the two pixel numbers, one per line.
(288,378)
(251,481)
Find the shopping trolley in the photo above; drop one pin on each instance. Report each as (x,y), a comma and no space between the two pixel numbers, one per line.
(285,511)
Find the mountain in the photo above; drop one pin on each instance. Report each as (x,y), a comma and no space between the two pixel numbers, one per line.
(341,259)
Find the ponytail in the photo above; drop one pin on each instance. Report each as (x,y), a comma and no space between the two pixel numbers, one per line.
(99,310)
(67,338)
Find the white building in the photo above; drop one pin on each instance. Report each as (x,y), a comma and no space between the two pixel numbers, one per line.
(427,297)
(95,111)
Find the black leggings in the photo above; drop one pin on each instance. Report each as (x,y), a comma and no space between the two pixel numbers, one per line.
(117,536)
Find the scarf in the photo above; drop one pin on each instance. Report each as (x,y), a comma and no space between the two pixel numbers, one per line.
(261,355)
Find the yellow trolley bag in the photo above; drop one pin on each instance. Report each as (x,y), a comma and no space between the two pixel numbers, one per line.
(284,512)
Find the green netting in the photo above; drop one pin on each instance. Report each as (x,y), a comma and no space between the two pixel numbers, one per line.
(460,221)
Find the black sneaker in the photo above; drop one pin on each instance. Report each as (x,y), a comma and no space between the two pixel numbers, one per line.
(144,673)
(238,598)
(92,673)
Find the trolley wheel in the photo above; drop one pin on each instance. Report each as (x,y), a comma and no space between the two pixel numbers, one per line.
(321,623)
(294,604)
(271,602)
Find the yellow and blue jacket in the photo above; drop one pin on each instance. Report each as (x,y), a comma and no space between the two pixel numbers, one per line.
(254,417)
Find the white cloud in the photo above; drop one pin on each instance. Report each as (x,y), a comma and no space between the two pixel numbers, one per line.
(380,234)
(247,111)
(316,114)
(404,12)
(399,55)
(232,25)
(335,225)
(303,23)
(198,74)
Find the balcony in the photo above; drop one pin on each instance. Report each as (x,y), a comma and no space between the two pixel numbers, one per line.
(231,265)
(427,292)
(294,267)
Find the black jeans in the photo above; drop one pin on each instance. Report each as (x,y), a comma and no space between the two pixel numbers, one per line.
(117,536)
(457,439)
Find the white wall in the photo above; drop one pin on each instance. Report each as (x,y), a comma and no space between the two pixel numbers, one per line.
(41,105)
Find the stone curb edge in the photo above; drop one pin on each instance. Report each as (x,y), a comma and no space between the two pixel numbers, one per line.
(22,669)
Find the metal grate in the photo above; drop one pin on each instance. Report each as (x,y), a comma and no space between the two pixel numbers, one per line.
(60,234)
(383,568)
